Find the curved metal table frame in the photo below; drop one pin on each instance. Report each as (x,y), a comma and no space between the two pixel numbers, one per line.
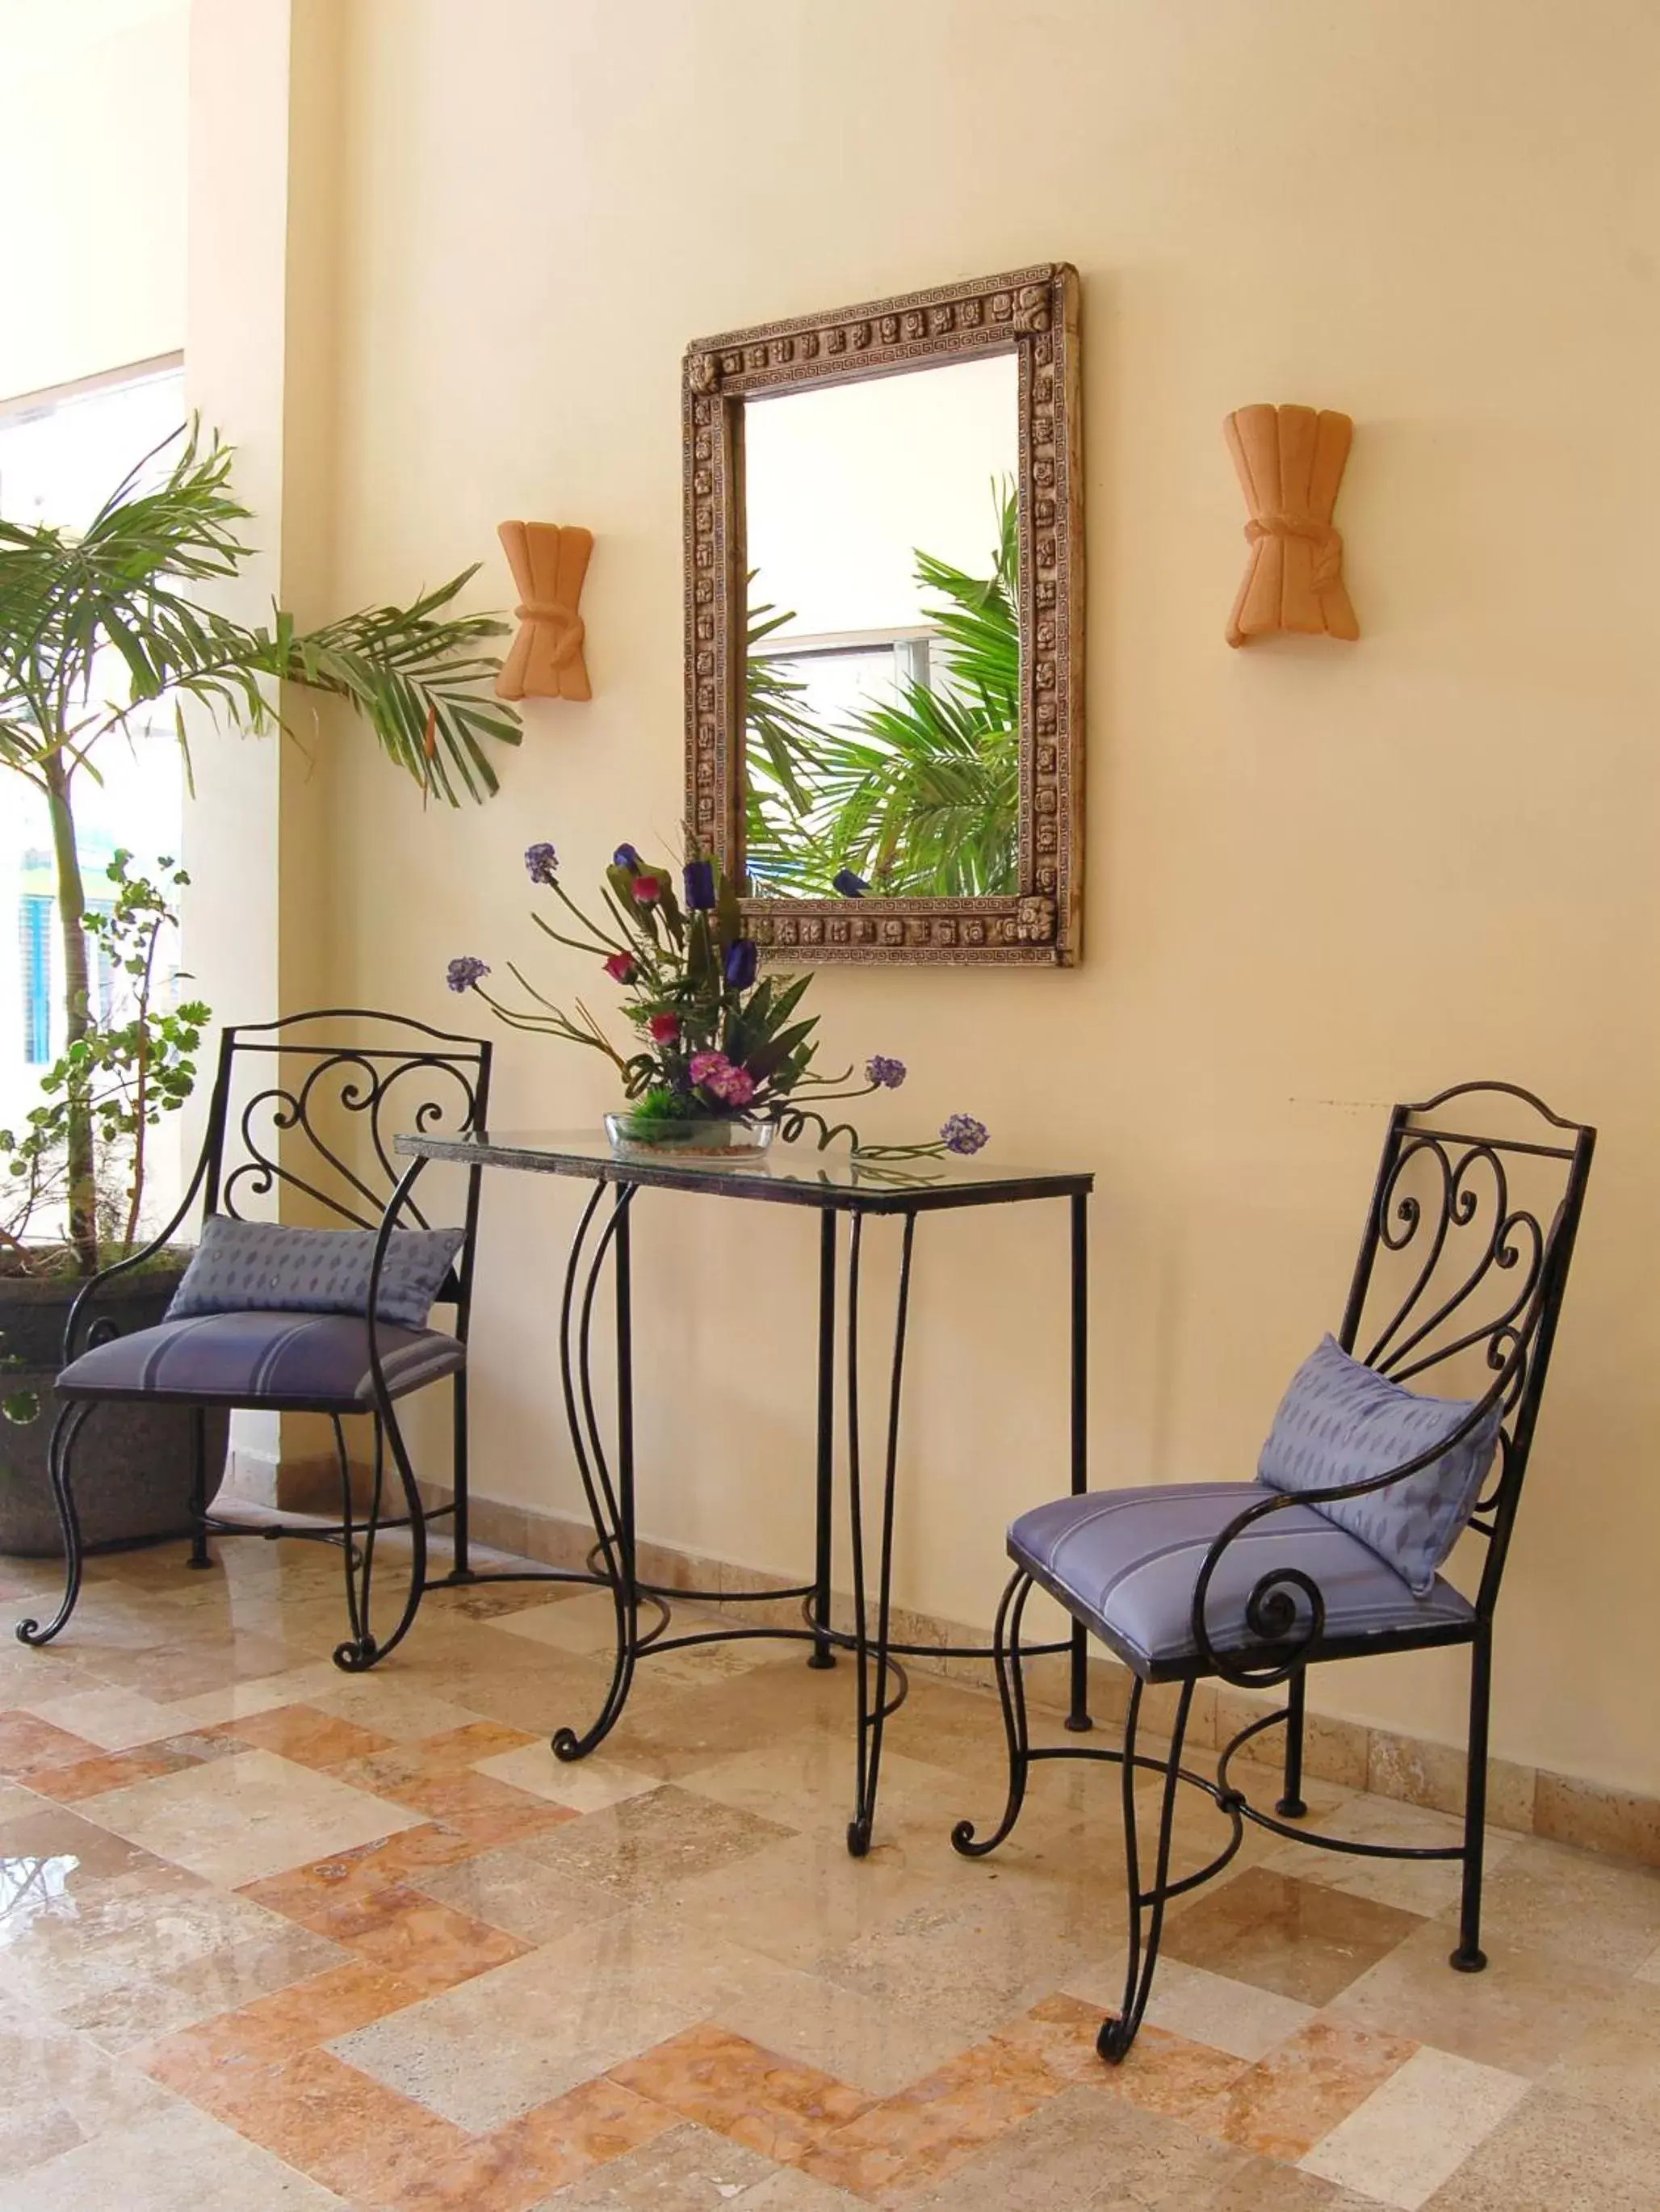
(838,1191)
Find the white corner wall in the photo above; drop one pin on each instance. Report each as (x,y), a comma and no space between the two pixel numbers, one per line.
(93,105)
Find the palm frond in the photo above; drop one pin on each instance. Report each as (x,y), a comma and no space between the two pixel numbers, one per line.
(775,725)
(417,675)
(919,796)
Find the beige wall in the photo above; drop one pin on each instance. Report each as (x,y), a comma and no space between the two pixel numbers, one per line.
(91,187)
(1319,877)
(260,367)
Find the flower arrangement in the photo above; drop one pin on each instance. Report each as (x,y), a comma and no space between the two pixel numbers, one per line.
(714,1042)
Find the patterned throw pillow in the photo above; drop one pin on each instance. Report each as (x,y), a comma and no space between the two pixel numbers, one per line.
(1340,1422)
(266,1267)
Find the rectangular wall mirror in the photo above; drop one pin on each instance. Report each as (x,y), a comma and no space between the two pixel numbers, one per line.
(884,612)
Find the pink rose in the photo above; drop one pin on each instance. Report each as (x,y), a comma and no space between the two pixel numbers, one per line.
(621,968)
(664,1028)
(647,890)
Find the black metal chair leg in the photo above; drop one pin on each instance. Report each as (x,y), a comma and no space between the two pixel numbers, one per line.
(1078,1717)
(1119,2030)
(1011,1690)
(200,1555)
(1290,1806)
(67,1427)
(1469,1958)
(389,1435)
(364,1650)
(356,1642)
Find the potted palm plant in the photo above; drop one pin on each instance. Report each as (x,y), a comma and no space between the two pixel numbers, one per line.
(133,1065)
(99,627)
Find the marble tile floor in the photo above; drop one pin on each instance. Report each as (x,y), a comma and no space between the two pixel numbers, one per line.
(270,1936)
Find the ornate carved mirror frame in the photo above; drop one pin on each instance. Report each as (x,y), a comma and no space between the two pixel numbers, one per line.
(1033,314)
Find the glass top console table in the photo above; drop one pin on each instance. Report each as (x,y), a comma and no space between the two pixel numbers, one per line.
(841,1191)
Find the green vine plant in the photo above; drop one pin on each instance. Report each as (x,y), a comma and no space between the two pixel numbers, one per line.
(132,1066)
(916,797)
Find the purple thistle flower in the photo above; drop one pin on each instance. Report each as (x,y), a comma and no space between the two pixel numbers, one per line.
(540,863)
(465,971)
(963,1133)
(739,966)
(625,857)
(700,875)
(886,1074)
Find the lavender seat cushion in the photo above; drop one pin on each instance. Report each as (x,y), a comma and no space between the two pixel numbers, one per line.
(1126,1562)
(266,1267)
(1342,1422)
(262,1359)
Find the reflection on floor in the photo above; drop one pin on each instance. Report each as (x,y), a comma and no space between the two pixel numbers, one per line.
(273,1937)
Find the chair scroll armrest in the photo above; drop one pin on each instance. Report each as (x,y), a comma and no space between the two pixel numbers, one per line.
(102,1329)
(395,1205)
(1272,1610)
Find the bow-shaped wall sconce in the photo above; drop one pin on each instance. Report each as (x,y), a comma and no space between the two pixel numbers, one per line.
(548,560)
(1290,463)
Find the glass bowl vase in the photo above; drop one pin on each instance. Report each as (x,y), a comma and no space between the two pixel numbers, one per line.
(704,1138)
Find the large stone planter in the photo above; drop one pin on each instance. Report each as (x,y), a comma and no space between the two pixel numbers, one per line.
(132,1462)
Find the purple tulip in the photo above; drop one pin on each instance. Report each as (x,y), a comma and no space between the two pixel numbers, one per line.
(466,971)
(625,857)
(739,967)
(700,877)
(540,863)
(848,885)
(963,1133)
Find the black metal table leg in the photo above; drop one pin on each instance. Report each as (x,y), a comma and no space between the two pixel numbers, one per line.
(461,1569)
(610,1506)
(822,1655)
(872,1711)
(1077,1718)
(623,1288)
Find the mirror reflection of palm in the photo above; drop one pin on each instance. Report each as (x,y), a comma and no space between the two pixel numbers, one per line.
(914,794)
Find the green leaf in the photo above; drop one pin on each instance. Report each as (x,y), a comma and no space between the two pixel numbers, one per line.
(699,963)
(773,1055)
(729,916)
(921,794)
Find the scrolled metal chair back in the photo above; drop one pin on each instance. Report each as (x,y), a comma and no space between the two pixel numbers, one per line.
(1461,1270)
(309,1107)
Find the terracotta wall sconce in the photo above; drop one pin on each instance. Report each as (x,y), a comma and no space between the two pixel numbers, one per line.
(1290,462)
(548,560)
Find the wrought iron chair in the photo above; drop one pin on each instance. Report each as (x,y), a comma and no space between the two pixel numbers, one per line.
(308,1105)
(1463,1258)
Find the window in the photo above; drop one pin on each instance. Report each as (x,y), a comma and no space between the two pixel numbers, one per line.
(61,454)
(843,670)
(34,930)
